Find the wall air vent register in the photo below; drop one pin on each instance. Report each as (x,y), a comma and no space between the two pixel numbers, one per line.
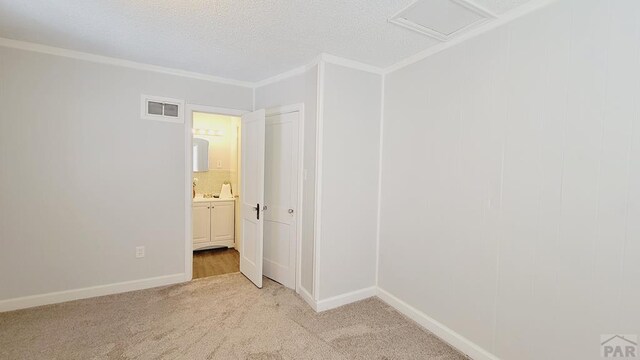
(162,109)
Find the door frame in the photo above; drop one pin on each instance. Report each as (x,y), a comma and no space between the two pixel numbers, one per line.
(286,109)
(188,171)
(188,176)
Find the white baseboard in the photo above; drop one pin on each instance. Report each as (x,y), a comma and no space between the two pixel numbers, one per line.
(93,291)
(344,299)
(454,339)
(306,296)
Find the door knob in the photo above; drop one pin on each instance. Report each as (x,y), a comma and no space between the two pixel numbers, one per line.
(290,211)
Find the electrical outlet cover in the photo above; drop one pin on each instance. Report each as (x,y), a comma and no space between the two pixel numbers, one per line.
(140,252)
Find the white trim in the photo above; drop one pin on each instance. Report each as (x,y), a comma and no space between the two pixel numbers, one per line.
(188,195)
(509,16)
(299,108)
(51,50)
(23,45)
(216,110)
(253,99)
(188,176)
(283,76)
(344,299)
(327,58)
(304,294)
(285,109)
(318,190)
(454,339)
(379,214)
(88,292)
(287,74)
(336,60)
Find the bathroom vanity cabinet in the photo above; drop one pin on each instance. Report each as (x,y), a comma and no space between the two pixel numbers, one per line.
(213,223)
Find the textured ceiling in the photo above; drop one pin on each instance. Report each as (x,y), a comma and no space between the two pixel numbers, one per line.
(499,6)
(238,39)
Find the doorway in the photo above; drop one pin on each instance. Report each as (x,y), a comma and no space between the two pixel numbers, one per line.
(266,194)
(215,193)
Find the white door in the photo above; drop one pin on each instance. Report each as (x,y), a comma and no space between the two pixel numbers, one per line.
(281,198)
(252,195)
(201,224)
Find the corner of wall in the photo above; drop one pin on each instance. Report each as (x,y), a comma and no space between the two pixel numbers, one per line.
(308,298)
(378,220)
(447,335)
(345,299)
(318,184)
(253,101)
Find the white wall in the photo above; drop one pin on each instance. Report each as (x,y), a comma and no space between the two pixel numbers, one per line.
(309,189)
(111,180)
(301,88)
(290,90)
(350,166)
(222,146)
(511,183)
(349,186)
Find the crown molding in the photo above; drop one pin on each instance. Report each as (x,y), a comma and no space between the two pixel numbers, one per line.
(45,49)
(79,55)
(500,20)
(336,60)
(282,76)
(323,57)
(505,18)
(287,74)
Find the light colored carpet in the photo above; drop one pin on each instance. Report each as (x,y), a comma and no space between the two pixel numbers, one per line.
(221,317)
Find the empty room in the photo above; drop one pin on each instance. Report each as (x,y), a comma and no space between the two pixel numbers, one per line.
(297,179)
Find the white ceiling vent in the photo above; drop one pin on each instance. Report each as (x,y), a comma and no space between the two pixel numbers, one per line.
(162,109)
(441,19)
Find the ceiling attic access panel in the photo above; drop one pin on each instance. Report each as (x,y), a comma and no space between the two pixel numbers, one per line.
(441,19)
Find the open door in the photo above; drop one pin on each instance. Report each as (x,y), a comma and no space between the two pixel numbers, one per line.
(281,195)
(252,198)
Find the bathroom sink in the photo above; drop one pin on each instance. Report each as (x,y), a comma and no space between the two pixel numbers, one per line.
(199,198)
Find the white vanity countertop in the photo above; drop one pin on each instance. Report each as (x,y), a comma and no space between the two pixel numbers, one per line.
(199,198)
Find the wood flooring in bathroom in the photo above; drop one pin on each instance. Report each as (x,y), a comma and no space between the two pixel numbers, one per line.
(215,262)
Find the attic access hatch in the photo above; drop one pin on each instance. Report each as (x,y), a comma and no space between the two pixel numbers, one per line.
(441,19)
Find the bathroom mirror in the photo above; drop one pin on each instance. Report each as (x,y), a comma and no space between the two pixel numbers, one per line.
(200,155)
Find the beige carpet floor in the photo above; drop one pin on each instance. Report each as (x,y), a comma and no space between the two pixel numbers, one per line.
(221,317)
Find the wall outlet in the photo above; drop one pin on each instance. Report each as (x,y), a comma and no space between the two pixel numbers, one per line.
(219,164)
(139,252)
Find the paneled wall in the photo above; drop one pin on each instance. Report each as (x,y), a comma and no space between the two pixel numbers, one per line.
(511,182)
(301,88)
(349,189)
(75,158)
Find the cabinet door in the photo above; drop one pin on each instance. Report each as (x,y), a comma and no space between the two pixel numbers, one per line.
(222,221)
(201,223)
